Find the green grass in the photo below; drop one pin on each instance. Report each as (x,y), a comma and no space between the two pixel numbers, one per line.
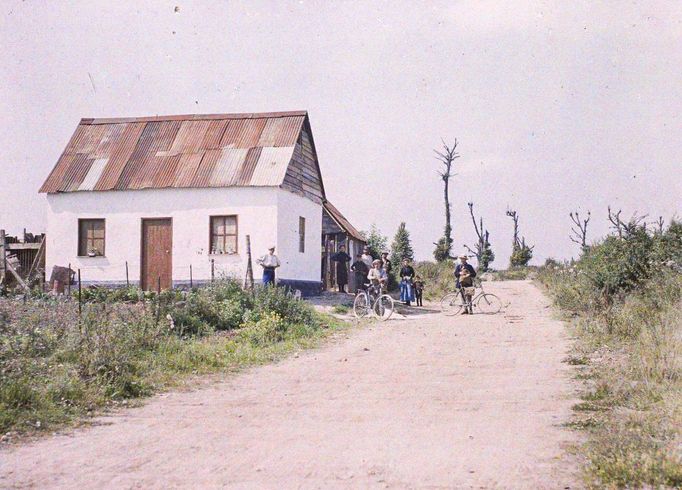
(629,350)
(58,368)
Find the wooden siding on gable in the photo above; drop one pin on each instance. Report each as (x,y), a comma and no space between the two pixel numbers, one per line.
(303,175)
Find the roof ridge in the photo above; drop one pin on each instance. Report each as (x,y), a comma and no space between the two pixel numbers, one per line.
(193,117)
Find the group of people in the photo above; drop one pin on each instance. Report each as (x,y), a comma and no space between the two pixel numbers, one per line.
(376,272)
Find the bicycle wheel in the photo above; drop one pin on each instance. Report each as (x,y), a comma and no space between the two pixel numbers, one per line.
(383,307)
(451,304)
(489,304)
(361,305)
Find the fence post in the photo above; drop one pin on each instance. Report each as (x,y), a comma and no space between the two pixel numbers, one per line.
(68,283)
(127,280)
(191,282)
(80,300)
(248,280)
(212,270)
(158,298)
(3,259)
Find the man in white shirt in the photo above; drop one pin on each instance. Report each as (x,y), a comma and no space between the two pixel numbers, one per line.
(269,263)
(367,258)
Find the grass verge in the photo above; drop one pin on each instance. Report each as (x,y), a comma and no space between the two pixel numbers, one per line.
(628,353)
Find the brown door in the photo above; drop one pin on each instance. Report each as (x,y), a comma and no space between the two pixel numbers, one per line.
(157,253)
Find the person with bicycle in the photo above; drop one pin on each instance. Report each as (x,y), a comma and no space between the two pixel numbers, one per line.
(378,278)
(464,278)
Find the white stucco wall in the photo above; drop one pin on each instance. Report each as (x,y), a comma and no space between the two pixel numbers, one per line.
(296,265)
(263,213)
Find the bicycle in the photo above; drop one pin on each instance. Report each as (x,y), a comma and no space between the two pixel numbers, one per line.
(364,303)
(486,303)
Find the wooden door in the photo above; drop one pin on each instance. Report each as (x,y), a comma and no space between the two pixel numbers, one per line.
(157,253)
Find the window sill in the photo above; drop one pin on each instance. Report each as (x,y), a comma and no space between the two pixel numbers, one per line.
(91,256)
(236,254)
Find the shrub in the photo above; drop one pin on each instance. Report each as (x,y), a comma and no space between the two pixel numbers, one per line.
(268,328)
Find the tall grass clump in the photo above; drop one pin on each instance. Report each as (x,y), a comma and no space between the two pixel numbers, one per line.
(57,366)
(625,294)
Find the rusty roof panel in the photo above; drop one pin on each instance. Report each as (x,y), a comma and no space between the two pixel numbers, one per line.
(188,136)
(243,133)
(250,133)
(272,165)
(149,164)
(54,180)
(205,170)
(227,167)
(187,169)
(76,173)
(166,172)
(280,132)
(246,170)
(214,134)
(288,131)
(110,138)
(119,156)
(137,158)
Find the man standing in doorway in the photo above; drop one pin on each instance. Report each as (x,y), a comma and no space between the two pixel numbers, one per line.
(341,258)
(269,263)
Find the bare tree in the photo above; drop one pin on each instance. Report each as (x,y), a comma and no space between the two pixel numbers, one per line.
(626,228)
(513,215)
(660,225)
(521,253)
(482,250)
(616,222)
(446,156)
(579,235)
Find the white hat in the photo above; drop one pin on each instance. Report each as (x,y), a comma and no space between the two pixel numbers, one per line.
(463,256)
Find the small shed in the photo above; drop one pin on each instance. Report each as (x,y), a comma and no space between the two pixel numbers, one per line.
(337,231)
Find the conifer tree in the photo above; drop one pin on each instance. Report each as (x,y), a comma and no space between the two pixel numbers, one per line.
(401,248)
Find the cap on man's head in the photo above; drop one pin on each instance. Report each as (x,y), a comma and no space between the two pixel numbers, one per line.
(462,256)
(271,248)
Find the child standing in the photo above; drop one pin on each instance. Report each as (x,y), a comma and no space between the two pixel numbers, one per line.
(418,290)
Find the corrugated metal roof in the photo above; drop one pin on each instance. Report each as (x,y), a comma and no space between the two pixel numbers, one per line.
(272,165)
(342,221)
(213,150)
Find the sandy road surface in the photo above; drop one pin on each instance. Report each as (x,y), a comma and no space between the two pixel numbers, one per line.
(429,402)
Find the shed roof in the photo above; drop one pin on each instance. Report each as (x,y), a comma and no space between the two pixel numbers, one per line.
(343,222)
(196,150)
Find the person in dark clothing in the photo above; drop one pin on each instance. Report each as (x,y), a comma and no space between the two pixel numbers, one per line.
(360,269)
(386,262)
(341,258)
(406,277)
(418,290)
(464,277)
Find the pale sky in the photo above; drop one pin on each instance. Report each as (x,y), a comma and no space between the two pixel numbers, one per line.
(557,106)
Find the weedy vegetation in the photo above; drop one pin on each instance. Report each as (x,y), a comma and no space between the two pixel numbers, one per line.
(624,296)
(57,366)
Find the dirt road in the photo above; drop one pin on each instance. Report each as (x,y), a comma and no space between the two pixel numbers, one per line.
(428,402)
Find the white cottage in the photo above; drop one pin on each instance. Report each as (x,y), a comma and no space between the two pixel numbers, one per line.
(172,198)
